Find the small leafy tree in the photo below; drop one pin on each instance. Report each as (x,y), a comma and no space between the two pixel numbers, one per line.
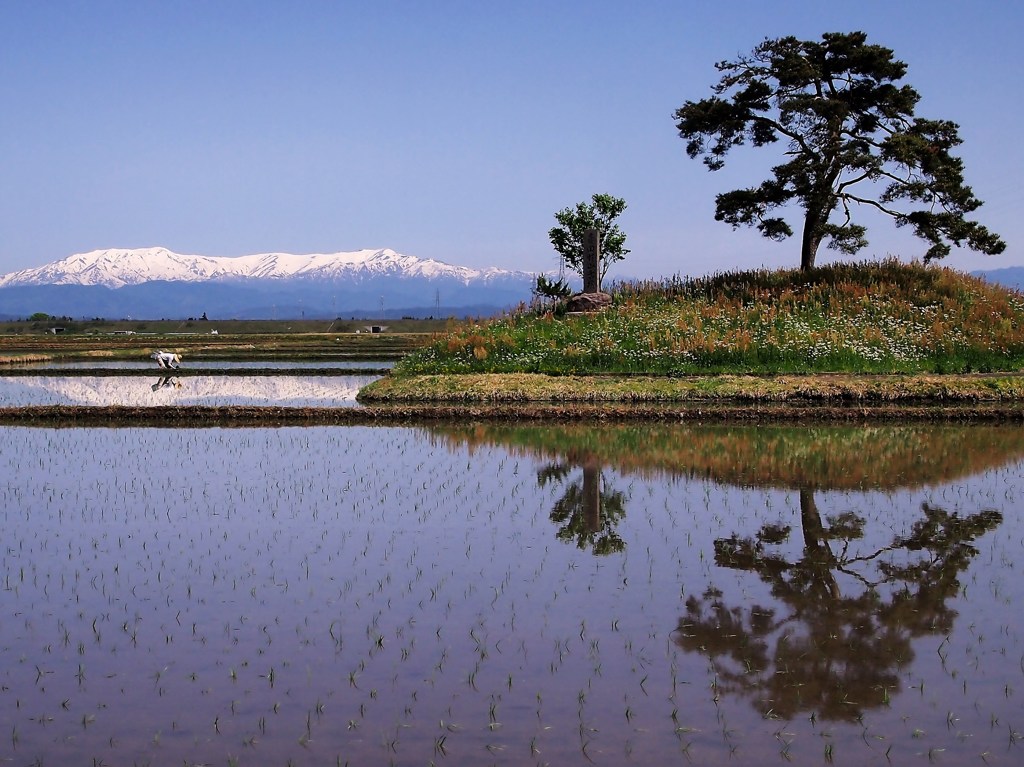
(567,237)
(552,290)
(851,139)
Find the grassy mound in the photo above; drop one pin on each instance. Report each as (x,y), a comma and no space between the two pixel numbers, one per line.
(878,317)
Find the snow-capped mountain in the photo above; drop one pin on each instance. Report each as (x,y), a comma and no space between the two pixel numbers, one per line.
(158,283)
(117,267)
(286,391)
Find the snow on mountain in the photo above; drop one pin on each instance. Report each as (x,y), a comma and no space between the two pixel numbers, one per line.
(116,268)
(288,391)
(155,282)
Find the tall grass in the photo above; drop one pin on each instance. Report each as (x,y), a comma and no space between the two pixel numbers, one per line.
(869,317)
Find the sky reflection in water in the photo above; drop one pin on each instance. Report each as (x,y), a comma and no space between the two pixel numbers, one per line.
(193,364)
(483,595)
(155,390)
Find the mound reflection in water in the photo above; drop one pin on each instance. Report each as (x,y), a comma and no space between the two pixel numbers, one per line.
(510,595)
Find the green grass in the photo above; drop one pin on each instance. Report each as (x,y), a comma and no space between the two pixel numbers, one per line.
(850,388)
(882,317)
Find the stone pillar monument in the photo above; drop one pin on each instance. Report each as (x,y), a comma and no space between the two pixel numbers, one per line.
(591,299)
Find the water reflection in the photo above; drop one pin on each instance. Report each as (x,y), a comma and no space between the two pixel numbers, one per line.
(846,594)
(143,391)
(796,458)
(194,364)
(587,512)
(812,457)
(166,382)
(842,617)
(322,595)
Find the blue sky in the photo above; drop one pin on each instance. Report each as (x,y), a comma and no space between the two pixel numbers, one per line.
(450,130)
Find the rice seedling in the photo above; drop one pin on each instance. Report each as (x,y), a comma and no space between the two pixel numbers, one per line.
(318,593)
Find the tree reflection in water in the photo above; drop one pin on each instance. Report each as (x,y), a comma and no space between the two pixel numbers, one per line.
(586,512)
(817,648)
(844,602)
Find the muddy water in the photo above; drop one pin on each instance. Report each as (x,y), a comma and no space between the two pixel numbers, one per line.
(488,595)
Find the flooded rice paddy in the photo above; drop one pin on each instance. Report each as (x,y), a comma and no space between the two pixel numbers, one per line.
(471,595)
(194,364)
(155,390)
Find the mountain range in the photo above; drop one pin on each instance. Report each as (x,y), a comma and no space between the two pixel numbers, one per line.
(1008,276)
(156,283)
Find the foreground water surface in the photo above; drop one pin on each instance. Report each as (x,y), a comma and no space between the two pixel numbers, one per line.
(498,595)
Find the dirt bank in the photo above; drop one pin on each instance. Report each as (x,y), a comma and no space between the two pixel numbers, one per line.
(248,416)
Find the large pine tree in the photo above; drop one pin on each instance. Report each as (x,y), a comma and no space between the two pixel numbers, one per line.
(851,139)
